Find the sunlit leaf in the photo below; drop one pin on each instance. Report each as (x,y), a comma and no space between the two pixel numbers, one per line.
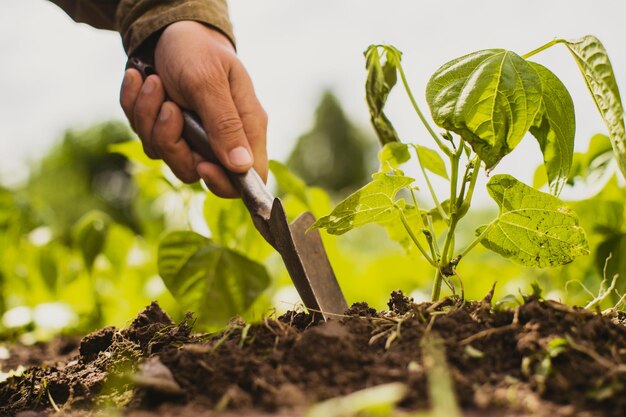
(392,155)
(532,228)
(555,128)
(431,161)
(288,182)
(375,202)
(381,78)
(209,279)
(595,66)
(489,97)
(90,235)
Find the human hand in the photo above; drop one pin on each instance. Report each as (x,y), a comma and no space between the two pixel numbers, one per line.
(198,70)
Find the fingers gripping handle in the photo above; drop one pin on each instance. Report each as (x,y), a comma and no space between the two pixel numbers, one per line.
(253,191)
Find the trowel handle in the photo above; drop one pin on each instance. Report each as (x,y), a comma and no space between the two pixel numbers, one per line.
(254,193)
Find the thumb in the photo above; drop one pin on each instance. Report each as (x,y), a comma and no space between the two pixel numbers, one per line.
(225,131)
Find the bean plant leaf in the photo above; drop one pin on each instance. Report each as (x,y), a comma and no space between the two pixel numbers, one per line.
(431,161)
(596,68)
(532,228)
(392,155)
(555,128)
(207,278)
(381,78)
(374,203)
(489,97)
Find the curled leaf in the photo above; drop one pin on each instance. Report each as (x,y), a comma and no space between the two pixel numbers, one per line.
(596,68)
(381,78)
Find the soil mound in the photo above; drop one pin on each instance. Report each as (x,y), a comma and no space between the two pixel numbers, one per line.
(539,358)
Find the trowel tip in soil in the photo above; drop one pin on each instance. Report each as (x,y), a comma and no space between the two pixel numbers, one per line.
(307,263)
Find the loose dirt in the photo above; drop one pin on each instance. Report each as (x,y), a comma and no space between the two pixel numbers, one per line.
(541,358)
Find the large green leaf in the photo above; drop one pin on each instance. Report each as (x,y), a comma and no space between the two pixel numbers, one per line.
(381,78)
(555,128)
(596,68)
(215,282)
(532,228)
(374,203)
(489,97)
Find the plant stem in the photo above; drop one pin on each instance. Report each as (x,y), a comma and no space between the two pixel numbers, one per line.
(431,228)
(434,135)
(470,192)
(448,247)
(477,240)
(455,216)
(431,189)
(454,178)
(432,241)
(408,229)
(541,48)
(436,293)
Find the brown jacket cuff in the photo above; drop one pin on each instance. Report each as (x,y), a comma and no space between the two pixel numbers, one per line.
(141,21)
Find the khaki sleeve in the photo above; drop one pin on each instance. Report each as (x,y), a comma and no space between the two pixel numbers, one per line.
(138,20)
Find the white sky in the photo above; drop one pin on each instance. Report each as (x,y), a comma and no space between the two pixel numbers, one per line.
(55,74)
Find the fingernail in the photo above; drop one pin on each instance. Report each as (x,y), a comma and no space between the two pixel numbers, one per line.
(164,114)
(149,86)
(240,156)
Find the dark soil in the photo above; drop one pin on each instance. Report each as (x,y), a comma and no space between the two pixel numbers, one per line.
(542,358)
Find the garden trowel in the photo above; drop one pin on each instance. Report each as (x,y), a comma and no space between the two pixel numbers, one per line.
(302,250)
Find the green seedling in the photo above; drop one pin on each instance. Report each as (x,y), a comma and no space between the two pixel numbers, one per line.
(486,102)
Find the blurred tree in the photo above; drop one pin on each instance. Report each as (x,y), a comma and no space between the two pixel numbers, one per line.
(334,154)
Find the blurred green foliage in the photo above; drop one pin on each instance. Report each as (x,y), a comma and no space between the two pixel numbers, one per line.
(77,239)
(71,247)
